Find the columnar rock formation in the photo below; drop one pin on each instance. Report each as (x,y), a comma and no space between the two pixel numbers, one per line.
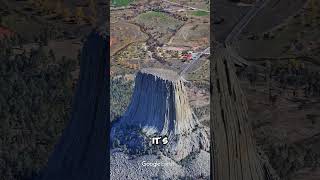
(82,152)
(160,107)
(159,104)
(235,153)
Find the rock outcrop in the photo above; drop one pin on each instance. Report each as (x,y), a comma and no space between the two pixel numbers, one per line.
(82,152)
(195,167)
(236,155)
(159,107)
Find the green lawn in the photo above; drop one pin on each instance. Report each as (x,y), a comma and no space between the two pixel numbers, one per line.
(157,19)
(153,14)
(119,3)
(200,13)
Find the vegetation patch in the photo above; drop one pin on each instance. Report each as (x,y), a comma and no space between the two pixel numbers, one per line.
(123,34)
(35,96)
(119,3)
(156,23)
(156,18)
(154,14)
(120,93)
(200,13)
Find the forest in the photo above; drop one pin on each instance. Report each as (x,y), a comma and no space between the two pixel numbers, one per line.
(120,94)
(35,98)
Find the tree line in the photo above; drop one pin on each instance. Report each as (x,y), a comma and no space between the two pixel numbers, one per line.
(59,7)
(120,94)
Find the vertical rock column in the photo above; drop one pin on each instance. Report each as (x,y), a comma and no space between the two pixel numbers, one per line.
(82,152)
(160,106)
(235,154)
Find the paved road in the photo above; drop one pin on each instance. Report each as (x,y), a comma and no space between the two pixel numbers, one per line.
(197,58)
(184,6)
(236,31)
(206,51)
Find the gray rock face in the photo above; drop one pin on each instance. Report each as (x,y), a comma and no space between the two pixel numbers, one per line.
(160,107)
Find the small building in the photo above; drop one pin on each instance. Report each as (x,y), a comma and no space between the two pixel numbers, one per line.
(187,57)
(194,55)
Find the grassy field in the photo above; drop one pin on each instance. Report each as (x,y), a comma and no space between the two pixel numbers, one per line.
(200,13)
(120,3)
(159,23)
(192,34)
(302,28)
(152,15)
(124,34)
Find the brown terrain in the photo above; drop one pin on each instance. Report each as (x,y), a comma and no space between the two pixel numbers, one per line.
(282,84)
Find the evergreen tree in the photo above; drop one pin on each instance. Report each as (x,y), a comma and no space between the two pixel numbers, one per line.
(314,13)
(58,8)
(79,15)
(66,14)
(93,11)
(33,97)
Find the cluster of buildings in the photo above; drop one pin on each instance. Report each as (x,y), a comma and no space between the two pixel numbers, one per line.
(182,53)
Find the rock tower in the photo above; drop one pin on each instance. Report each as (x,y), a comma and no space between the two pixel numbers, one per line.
(159,107)
(234,154)
(82,152)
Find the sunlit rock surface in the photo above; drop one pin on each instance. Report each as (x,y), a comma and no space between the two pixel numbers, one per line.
(160,107)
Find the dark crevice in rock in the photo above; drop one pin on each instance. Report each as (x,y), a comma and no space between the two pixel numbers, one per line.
(218,86)
(228,77)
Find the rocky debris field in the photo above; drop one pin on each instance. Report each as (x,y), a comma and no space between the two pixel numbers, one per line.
(123,166)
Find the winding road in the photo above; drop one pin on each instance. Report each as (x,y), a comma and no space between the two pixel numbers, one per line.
(233,36)
(197,58)
(206,51)
(236,31)
(184,6)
